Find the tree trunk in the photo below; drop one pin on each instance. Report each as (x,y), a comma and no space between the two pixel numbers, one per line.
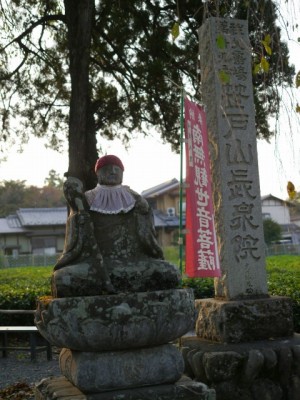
(82,142)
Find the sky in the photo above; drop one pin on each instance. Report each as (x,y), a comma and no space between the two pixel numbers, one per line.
(149,162)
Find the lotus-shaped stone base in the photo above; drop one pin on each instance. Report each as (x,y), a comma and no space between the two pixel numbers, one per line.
(116,322)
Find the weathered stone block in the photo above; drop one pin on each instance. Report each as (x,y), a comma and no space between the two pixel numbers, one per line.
(244,320)
(115,322)
(95,372)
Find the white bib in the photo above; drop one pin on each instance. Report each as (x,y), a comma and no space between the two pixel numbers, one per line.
(110,199)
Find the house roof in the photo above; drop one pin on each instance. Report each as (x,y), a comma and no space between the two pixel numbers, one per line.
(160,189)
(289,228)
(42,216)
(270,196)
(11,224)
(30,217)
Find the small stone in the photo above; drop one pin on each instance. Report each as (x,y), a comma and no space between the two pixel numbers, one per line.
(265,389)
(221,366)
(253,366)
(270,358)
(230,390)
(198,368)
(285,359)
(296,356)
(187,366)
(294,388)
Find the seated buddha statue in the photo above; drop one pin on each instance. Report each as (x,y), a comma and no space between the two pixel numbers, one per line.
(119,225)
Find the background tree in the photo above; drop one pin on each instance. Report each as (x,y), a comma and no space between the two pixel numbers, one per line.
(54,180)
(12,195)
(119,69)
(15,195)
(272,231)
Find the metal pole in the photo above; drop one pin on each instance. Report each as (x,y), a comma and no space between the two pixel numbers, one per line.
(181,184)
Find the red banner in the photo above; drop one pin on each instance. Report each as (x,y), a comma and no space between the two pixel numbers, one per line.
(202,258)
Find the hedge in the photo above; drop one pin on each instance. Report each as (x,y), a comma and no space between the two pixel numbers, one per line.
(19,287)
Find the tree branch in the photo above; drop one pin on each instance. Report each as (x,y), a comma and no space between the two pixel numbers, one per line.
(40,21)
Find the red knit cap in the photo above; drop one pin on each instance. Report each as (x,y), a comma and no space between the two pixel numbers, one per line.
(108,160)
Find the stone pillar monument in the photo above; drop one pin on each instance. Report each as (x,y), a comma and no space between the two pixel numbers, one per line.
(228,95)
(242,312)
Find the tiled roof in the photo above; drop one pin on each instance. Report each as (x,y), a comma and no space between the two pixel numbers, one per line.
(42,216)
(11,224)
(160,189)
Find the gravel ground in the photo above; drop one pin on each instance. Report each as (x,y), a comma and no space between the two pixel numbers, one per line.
(18,367)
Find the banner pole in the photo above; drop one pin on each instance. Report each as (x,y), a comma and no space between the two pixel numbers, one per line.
(181,184)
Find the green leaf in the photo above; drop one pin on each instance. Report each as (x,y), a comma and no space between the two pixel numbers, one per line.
(267,48)
(256,69)
(298,108)
(298,79)
(175,30)
(266,43)
(267,39)
(221,44)
(224,77)
(264,64)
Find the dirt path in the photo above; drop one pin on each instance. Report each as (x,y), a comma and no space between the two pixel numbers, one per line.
(18,367)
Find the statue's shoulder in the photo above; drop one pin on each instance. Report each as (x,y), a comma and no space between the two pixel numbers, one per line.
(141,204)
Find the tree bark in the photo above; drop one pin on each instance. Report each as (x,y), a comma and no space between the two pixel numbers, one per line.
(82,142)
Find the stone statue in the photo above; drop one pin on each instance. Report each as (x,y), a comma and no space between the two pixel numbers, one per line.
(116,306)
(110,239)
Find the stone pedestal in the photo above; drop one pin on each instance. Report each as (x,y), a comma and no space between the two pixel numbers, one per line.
(118,346)
(267,369)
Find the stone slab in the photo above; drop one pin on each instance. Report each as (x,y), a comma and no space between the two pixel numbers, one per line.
(116,322)
(244,320)
(227,89)
(95,372)
(184,389)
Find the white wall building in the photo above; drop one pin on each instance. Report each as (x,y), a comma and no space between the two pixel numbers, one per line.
(279,211)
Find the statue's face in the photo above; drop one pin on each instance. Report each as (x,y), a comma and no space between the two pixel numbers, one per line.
(110,175)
